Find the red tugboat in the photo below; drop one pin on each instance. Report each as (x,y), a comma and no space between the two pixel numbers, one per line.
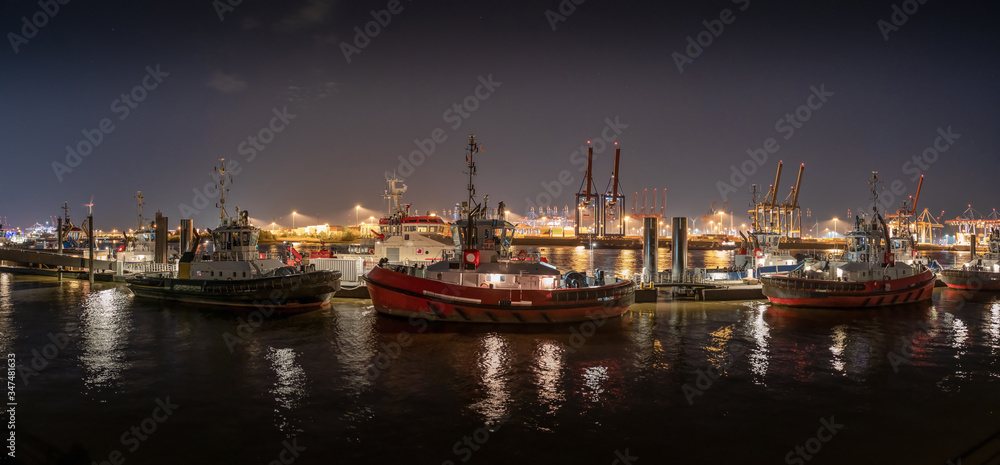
(488,283)
(980,274)
(869,276)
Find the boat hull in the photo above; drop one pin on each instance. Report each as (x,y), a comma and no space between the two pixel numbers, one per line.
(799,292)
(398,294)
(295,293)
(971,280)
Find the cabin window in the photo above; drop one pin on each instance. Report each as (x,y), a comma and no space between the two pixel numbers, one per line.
(234,274)
(213,273)
(244,274)
(422,229)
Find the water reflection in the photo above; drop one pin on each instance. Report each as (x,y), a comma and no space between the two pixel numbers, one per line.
(289,388)
(356,348)
(494,369)
(7,324)
(628,261)
(719,355)
(758,331)
(547,367)
(837,349)
(105,325)
(994,329)
(594,378)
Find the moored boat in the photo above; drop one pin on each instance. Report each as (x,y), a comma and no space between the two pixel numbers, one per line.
(486,282)
(868,276)
(236,275)
(982,273)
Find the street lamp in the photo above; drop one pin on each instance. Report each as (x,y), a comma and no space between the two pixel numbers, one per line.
(834,227)
(356,209)
(293,220)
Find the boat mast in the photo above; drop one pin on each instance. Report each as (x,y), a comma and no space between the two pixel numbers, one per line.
(139,203)
(221,205)
(472,150)
(877,219)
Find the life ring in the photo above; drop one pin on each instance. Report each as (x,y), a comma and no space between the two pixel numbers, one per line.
(484,284)
(522,255)
(371,251)
(229,279)
(758,253)
(863,257)
(488,244)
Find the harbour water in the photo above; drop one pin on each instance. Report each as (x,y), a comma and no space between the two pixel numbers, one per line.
(106,378)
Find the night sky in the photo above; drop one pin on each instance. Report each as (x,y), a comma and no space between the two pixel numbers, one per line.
(533,80)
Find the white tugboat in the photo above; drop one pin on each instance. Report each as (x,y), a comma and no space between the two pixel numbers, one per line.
(235,275)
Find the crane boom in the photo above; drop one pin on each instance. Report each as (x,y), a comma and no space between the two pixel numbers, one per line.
(777,180)
(798,184)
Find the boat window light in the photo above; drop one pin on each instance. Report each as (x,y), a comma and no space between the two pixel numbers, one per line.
(840,273)
(547,282)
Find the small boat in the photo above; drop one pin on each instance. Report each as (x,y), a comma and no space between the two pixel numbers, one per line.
(868,276)
(236,275)
(759,255)
(486,282)
(982,273)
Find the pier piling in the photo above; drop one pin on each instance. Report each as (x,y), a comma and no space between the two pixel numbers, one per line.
(680,249)
(650,242)
(160,255)
(187,227)
(90,246)
(59,239)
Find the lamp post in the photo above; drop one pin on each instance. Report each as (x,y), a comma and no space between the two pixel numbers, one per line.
(293,220)
(357,208)
(834,227)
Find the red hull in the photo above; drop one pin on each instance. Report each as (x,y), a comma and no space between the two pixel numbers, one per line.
(408,296)
(797,292)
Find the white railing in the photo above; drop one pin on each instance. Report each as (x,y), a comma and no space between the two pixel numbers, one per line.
(351,269)
(150,267)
